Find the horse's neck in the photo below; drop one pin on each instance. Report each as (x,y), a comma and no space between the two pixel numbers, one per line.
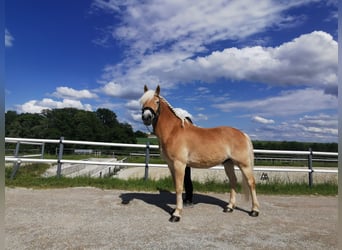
(166,123)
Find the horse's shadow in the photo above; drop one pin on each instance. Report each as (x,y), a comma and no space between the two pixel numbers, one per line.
(164,198)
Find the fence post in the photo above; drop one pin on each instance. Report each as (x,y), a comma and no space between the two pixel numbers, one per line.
(43,149)
(60,157)
(147,159)
(16,165)
(310,167)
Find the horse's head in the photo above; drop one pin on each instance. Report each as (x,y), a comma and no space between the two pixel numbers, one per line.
(150,102)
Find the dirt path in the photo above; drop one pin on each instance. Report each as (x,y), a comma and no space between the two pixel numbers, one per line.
(90,218)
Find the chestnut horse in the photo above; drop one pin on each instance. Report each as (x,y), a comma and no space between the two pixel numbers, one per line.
(182,143)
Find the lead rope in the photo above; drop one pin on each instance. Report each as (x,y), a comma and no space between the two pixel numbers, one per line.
(148,129)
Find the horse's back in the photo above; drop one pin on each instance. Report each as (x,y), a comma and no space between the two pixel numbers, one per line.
(217,135)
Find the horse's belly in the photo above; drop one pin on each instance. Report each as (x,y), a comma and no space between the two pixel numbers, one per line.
(205,160)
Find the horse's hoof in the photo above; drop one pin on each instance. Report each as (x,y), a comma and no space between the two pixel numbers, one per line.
(228,210)
(174,218)
(254,213)
(172,211)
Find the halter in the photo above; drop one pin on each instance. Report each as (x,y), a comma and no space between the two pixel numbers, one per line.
(151,110)
(154,113)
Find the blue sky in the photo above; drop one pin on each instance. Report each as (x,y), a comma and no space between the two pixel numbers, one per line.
(269,69)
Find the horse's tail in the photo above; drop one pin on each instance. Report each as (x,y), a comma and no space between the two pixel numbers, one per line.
(251,152)
(245,186)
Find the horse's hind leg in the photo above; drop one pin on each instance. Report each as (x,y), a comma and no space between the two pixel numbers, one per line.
(229,168)
(247,172)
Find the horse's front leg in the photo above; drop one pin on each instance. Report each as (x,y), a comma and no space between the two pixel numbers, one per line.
(178,177)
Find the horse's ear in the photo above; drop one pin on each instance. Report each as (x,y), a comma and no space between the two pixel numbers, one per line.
(145,88)
(158,90)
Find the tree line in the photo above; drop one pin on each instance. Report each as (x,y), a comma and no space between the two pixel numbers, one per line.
(71,123)
(296,146)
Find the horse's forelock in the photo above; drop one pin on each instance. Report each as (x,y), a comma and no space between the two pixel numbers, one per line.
(148,95)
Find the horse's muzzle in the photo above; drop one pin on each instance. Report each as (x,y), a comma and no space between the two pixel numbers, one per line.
(147,117)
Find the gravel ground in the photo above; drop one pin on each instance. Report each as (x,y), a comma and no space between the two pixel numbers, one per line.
(90,218)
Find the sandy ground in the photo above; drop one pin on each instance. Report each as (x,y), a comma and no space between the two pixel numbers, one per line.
(90,218)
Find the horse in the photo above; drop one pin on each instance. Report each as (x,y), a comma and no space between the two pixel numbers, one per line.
(181,143)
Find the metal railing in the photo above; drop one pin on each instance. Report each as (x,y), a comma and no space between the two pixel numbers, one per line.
(17,160)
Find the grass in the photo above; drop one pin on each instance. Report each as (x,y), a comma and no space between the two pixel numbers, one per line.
(29,176)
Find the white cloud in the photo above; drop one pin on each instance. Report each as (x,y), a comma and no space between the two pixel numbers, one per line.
(121,90)
(66,92)
(306,128)
(134,110)
(321,120)
(262,120)
(31,107)
(162,40)
(133,105)
(136,117)
(8,39)
(287,103)
(200,117)
(189,26)
(203,90)
(309,60)
(36,106)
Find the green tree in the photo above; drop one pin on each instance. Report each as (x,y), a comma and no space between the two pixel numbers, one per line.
(87,126)
(107,117)
(140,134)
(24,125)
(71,123)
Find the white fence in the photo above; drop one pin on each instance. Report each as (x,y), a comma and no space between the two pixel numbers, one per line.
(17,160)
